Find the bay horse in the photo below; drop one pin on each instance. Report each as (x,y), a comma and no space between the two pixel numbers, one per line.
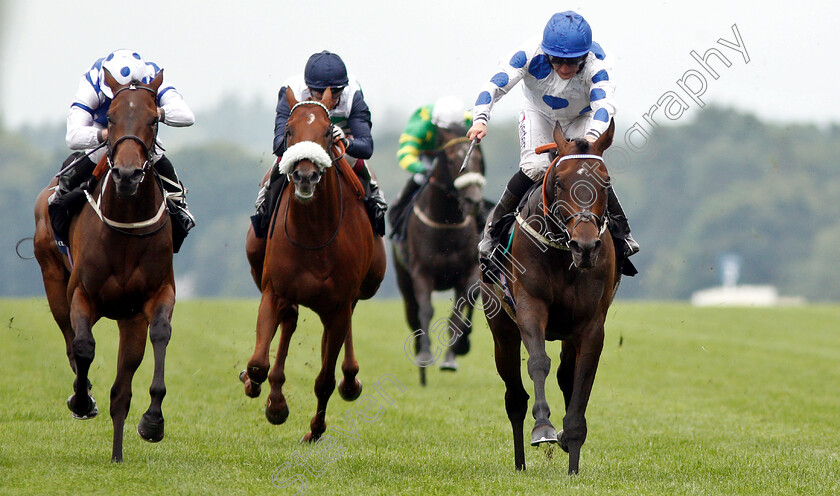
(562,276)
(440,252)
(321,253)
(120,264)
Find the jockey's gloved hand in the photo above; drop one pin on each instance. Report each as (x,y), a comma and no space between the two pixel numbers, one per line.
(338,135)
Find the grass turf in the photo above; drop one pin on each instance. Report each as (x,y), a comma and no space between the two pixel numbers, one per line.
(686,401)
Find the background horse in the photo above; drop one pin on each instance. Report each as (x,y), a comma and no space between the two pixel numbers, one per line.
(321,253)
(562,276)
(439,250)
(121,266)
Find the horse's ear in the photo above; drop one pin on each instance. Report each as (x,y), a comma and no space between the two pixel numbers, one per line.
(327,96)
(112,83)
(157,81)
(559,137)
(606,139)
(290,97)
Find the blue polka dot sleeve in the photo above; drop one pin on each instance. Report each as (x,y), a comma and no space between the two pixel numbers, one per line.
(509,73)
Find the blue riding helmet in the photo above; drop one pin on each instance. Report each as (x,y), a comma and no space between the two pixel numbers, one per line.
(325,70)
(567,35)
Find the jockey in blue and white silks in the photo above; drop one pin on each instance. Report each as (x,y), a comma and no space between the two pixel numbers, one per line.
(87,128)
(568,81)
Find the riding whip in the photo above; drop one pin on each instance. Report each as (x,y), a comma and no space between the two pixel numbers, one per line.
(469,152)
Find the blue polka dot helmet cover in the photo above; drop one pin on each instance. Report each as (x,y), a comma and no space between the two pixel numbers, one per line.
(126,66)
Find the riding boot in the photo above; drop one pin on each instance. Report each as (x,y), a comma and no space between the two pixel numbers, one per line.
(395,210)
(619,226)
(516,188)
(176,200)
(374,200)
(68,197)
(266,200)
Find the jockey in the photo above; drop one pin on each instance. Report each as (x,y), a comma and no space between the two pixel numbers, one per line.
(350,116)
(568,82)
(87,128)
(419,143)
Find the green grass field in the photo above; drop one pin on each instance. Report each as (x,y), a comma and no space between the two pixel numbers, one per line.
(686,401)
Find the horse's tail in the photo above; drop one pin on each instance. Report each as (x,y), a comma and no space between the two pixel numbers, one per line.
(17,248)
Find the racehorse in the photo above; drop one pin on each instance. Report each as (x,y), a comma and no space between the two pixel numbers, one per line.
(562,276)
(120,264)
(321,253)
(439,250)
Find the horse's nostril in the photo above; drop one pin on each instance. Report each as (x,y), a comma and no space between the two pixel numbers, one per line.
(313,177)
(597,244)
(296,176)
(574,245)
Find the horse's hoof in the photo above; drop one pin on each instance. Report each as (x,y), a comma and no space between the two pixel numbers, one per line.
(276,415)
(449,365)
(252,389)
(310,438)
(564,444)
(92,412)
(350,393)
(424,359)
(543,434)
(150,431)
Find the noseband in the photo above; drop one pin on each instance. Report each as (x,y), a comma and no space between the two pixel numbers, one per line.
(148,151)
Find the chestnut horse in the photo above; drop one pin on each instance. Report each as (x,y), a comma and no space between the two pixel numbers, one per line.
(321,253)
(562,276)
(439,251)
(121,265)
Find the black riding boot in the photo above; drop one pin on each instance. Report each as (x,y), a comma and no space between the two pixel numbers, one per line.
(69,197)
(619,227)
(176,199)
(516,188)
(266,202)
(397,210)
(374,201)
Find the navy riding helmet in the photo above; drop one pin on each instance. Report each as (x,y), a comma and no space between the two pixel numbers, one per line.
(325,70)
(567,35)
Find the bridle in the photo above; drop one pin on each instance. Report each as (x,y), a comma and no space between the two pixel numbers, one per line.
(148,150)
(561,240)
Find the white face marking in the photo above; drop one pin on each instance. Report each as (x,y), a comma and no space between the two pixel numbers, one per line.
(311,119)
(581,171)
(130,104)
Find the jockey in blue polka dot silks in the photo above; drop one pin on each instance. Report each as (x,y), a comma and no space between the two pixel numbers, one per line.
(87,128)
(568,81)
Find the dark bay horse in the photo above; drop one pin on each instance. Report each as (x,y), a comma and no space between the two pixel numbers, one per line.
(439,252)
(321,253)
(121,266)
(562,275)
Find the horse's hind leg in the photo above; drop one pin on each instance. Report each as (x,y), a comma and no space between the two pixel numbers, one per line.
(132,348)
(255,253)
(276,408)
(574,423)
(508,348)
(349,387)
(82,316)
(268,319)
(55,278)
(336,327)
(158,312)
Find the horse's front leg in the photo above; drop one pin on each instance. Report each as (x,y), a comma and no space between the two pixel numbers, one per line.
(82,317)
(268,319)
(349,387)
(460,325)
(336,327)
(532,317)
(132,349)
(423,287)
(158,312)
(588,345)
(276,408)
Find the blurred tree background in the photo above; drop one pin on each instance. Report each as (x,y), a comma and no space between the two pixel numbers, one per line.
(723,182)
